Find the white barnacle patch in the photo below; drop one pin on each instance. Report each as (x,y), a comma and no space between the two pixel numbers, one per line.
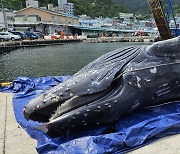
(49,96)
(45,100)
(67,89)
(165,85)
(71,95)
(138,84)
(131,69)
(138,81)
(87,110)
(147,80)
(153,70)
(138,78)
(55,99)
(95,83)
(37,107)
(99,107)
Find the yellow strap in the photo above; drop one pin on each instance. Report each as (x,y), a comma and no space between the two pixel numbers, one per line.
(5,84)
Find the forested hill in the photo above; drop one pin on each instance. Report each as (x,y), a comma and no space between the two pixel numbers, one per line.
(93,8)
(141,6)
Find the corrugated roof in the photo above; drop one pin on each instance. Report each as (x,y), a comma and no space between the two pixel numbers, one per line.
(49,11)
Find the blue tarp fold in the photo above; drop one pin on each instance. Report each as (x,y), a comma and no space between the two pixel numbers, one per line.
(132,131)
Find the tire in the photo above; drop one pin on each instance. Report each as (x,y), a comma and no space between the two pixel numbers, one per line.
(13,39)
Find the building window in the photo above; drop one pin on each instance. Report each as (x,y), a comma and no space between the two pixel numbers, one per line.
(52,18)
(9,18)
(59,19)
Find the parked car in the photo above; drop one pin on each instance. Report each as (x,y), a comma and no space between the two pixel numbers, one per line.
(4,38)
(31,35)
(41,35)
(10,36)
(21,34)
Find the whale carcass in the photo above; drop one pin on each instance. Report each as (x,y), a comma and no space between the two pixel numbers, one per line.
(116,83)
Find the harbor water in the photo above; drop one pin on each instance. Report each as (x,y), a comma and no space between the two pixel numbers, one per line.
(57,60)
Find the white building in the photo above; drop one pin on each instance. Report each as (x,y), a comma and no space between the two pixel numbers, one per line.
(31,3)
(126,15)
(61,3)
(67,7)
(9,16)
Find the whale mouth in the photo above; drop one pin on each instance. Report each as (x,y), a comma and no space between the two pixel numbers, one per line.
(77,102)
(55,110)
(41,115)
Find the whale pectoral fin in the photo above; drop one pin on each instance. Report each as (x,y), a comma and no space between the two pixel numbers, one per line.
(103,70)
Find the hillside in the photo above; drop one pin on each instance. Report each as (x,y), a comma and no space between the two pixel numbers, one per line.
(141,6)
(93,8)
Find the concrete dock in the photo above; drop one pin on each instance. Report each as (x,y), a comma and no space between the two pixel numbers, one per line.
(14,140)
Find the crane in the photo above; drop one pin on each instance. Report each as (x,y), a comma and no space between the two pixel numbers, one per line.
(170,12)
(160,18)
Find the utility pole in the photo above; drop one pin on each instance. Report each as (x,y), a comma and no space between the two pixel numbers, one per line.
(4,16)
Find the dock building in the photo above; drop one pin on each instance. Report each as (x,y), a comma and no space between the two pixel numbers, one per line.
(47,21)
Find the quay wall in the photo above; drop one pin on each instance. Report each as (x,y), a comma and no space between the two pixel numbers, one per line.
(13,45)
(118,39)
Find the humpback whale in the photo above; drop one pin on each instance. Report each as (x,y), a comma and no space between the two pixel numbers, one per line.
(111,86)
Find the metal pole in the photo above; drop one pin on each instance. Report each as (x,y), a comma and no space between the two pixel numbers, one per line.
(4,16)
(169,11)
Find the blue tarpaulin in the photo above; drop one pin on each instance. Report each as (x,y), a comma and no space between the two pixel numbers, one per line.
(130,132)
